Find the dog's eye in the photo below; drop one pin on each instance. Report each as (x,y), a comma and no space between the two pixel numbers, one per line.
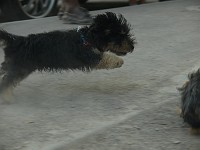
(107,31)
(123,33)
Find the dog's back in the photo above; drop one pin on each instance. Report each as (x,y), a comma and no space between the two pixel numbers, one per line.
(54,50)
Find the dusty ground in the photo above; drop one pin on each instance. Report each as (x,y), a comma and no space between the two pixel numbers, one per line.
(133,107)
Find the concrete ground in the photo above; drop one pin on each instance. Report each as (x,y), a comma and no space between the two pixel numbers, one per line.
(130,108)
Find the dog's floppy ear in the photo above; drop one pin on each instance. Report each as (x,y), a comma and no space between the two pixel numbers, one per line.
(97,29)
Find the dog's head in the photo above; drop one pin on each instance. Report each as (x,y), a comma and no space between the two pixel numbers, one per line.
(112,33)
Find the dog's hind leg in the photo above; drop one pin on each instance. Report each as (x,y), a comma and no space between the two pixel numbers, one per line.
(2,71)
(4,66)
(109,61)
(9,80)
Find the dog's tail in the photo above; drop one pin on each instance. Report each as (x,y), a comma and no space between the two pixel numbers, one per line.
(7,38)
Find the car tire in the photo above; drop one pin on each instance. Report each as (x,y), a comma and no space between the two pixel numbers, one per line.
(82,1)
(13,10)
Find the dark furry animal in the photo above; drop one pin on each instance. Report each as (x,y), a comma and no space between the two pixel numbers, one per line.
(190,99)
(63,50)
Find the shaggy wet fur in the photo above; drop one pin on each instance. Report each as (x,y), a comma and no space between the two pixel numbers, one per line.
(83,50)
(190,98)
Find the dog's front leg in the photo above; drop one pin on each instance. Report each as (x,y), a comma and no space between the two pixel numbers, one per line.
(109,61)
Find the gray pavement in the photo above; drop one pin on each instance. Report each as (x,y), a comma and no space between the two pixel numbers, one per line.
(130,108)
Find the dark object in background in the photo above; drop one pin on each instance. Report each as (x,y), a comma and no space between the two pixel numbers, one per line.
(82,1)
(190,99)
(71,12)
(12,10)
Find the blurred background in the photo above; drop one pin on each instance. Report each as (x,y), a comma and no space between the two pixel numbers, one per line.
(14,10)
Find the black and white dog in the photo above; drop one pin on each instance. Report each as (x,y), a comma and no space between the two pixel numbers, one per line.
(85,50)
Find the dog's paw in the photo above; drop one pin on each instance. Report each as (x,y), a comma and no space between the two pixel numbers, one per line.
(117,62)
(6,96)
(178,110)
(110,61)
(194,131)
